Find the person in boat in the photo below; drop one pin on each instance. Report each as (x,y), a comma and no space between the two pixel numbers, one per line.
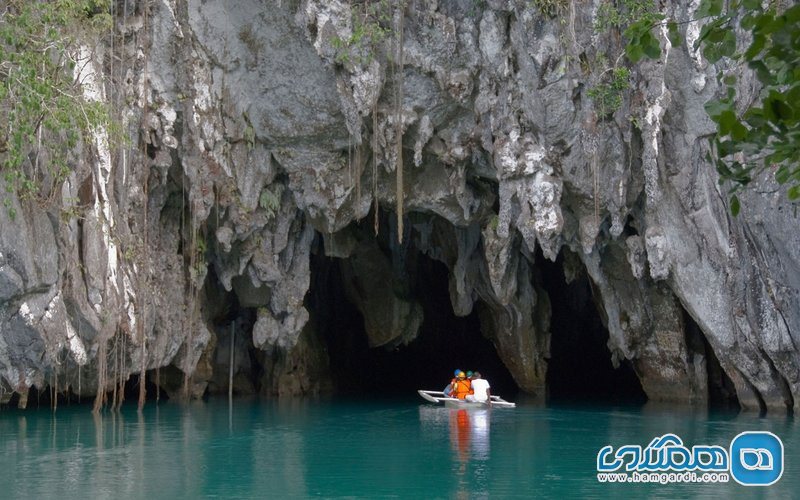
(463,386)
(448,390)
(481,392)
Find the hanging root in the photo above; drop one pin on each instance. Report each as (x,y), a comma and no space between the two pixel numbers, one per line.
(399,122)
(375,161)
(102,375)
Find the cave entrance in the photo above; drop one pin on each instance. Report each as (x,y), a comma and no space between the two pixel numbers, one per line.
(580,367)
(445,341)
(721,391)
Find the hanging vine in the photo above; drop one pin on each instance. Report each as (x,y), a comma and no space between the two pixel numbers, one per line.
(375,162)
(399,120)
(102,376)
(144,278)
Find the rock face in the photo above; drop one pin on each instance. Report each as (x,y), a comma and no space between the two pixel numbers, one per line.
(261,132)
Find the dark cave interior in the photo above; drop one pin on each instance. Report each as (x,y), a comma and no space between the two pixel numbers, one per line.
(445,341)
(580,367)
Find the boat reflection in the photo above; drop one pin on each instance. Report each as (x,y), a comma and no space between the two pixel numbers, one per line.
(460,434)
(469,430)
(469,434)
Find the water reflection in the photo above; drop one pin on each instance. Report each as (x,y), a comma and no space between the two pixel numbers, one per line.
(469,434)
(299,448)
(460,436)
(470,445)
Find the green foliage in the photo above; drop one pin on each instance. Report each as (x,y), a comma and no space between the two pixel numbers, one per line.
(71,210)
(201,246)
(494,222)
(270,201)
(250,136)
(43,114)
(371,26)
(764,134)
(641,41)
(607,95)
(634,19)
(622,14)
(550,8)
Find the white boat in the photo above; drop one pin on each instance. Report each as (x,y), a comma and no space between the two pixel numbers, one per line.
(438,397)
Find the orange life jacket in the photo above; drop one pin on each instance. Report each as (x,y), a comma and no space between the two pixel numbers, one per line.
(462,388)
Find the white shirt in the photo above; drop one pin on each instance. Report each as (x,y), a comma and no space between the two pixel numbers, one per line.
(479,387)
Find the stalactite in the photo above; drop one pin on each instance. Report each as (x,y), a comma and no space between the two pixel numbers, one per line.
(399,121)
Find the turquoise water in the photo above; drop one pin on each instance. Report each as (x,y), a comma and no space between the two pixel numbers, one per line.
(398,449)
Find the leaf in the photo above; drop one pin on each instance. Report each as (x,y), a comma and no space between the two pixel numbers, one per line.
(754,117)
(634,52)
(652,48)
(762,72)
(782,175)
(711,52)
(738,131)
(723,170)
(755,47)
(709,8)
(716,34)
(776,110)
(794,192)
(715,108)
(748,21)
(726,122)
(793,94)
(792,15)
(767,23)
(728,45)
(735,206)
(673,34)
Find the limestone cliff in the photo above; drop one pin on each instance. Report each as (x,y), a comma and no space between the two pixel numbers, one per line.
(258,137)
